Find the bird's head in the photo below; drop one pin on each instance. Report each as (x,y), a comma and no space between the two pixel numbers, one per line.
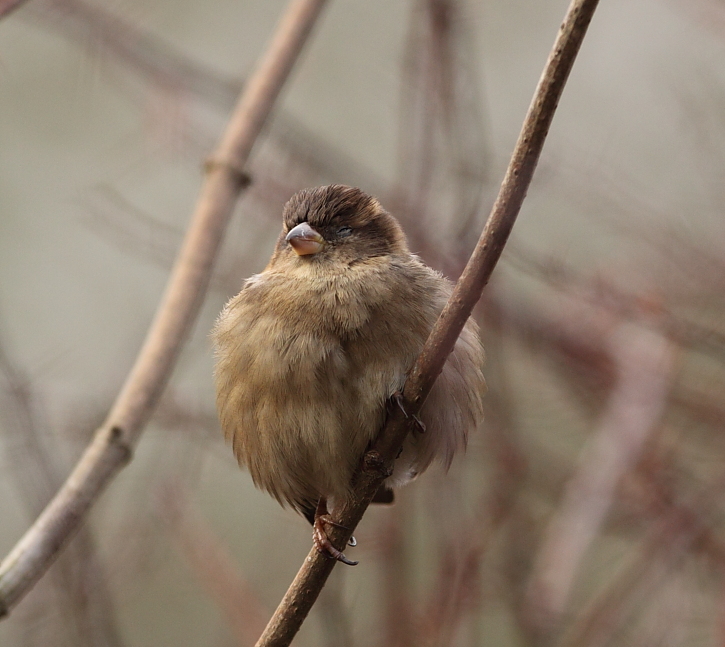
(337,225)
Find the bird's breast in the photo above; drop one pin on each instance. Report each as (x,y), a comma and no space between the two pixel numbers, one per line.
(305,365)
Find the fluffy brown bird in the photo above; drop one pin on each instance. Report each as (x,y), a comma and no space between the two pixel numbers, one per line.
(311,351)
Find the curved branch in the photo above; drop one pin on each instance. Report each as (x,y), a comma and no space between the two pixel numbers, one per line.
(113,442)
(310,579)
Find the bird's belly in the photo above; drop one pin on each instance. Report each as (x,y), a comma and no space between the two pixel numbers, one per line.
(306,409)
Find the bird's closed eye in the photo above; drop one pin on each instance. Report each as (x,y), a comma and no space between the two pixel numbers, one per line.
(343,232)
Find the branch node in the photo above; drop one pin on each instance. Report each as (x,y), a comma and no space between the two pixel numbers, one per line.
(213,163)
(374,462)
(117,439)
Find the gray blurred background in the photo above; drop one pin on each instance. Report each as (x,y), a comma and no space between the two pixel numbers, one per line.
(587,511)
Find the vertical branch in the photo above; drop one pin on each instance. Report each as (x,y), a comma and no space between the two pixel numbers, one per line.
(313,574)
(114,441)
(212,565)
(399,626)
(644,361)
(442,149)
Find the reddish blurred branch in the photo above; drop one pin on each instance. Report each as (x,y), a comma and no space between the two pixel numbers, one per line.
(213,566)
(443,151)
(80,599)
(682,527)
(173,74)
(6,6)
(113,443)
(644,362)
(138,50)
(314,572)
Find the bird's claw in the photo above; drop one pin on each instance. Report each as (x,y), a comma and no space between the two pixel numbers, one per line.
(398,398)
(419,423)
(322,541)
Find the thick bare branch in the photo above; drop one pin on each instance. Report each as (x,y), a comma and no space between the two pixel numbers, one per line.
(113,443)
(376,466)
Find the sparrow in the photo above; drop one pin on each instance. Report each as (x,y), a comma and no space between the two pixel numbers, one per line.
(311,352)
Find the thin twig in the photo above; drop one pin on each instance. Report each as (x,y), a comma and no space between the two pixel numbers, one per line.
(170,71)
(80,596)
(679,531)
(212,564)
(137,49)
(6,6)
(306,586)
(112,445)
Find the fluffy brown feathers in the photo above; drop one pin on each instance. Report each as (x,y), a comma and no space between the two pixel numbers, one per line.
(312,348)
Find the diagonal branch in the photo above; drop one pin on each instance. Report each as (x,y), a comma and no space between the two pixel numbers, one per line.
(310,579)
(113,442)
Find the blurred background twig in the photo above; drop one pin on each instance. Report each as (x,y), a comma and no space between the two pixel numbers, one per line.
(113,442)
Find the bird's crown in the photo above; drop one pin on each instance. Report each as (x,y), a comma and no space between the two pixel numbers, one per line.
(326,205)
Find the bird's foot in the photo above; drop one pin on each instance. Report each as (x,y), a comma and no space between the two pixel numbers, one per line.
(397,397)
(322,541)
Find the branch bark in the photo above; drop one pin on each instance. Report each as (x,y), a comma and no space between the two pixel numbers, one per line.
(376,466)
(112,445)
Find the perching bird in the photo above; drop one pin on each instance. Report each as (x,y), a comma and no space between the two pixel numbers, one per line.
(311,350)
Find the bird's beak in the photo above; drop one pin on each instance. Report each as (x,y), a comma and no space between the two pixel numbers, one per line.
(305,240)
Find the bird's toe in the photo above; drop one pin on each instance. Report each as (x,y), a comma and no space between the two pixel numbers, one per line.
(324,545)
